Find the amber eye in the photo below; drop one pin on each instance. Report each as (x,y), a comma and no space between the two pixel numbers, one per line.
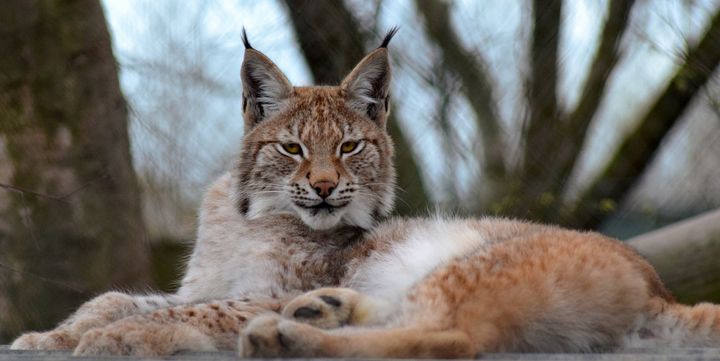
(348,147)
(292,148)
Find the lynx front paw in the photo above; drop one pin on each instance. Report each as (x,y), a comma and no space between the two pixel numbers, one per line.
(101,342)
(51,340)
(142,339)
(325,308)
(271,336)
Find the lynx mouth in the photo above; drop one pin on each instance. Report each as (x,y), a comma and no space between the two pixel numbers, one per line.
(323,207)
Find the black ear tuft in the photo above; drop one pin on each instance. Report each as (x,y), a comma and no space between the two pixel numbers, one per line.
(245,39)
(389,36)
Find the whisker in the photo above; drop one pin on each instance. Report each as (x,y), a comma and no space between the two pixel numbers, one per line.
(396,187)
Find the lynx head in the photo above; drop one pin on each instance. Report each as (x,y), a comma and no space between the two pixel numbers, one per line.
(320,152)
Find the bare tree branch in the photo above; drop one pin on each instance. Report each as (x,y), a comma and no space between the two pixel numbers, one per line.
(332,43)
(476,83)
(195,75)
(61,198)
(13,188)
(574,127)
(78,288)
(638,149)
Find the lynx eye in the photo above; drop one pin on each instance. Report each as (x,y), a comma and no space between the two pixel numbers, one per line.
(348,147)
(292,148)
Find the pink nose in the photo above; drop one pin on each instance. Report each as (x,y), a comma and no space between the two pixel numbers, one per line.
(324,188)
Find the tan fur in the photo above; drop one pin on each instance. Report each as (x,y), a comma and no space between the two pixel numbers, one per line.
(533,289)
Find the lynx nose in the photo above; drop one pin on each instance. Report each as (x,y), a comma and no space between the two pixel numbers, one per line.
(324,188)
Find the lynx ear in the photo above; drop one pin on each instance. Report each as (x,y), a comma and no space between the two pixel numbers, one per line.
(265,88)
(366,88)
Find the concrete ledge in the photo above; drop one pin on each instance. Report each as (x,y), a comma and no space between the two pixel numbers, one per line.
(675,354)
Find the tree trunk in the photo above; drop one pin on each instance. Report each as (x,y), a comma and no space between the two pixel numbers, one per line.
(332,43)
(542,126)
(686,255)
(70,220)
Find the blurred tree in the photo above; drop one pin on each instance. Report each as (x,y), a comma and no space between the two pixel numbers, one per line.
(641,145)
(333,43)
(69,202)
(537,186)
(471,71)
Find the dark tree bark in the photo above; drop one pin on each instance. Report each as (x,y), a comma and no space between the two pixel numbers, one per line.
(71,222)
(639,148)
(541,128)
(332,43)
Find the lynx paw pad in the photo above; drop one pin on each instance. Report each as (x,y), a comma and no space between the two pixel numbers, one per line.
(323,308)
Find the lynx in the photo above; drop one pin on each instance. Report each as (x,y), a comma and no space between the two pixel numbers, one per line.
(291,260)
(314,173)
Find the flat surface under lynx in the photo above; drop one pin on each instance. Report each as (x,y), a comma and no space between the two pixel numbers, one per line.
(639,354)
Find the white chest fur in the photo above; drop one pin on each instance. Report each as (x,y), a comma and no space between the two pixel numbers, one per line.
(390,274)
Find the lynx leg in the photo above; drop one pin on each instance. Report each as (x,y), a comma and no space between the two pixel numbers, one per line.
(98,312)
(200,327)
(272,336)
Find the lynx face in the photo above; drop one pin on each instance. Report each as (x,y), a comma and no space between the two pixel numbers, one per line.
(321,153)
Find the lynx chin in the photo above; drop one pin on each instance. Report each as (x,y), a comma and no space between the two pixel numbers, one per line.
(293,257)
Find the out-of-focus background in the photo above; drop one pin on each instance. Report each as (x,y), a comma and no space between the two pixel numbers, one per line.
(115,115)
